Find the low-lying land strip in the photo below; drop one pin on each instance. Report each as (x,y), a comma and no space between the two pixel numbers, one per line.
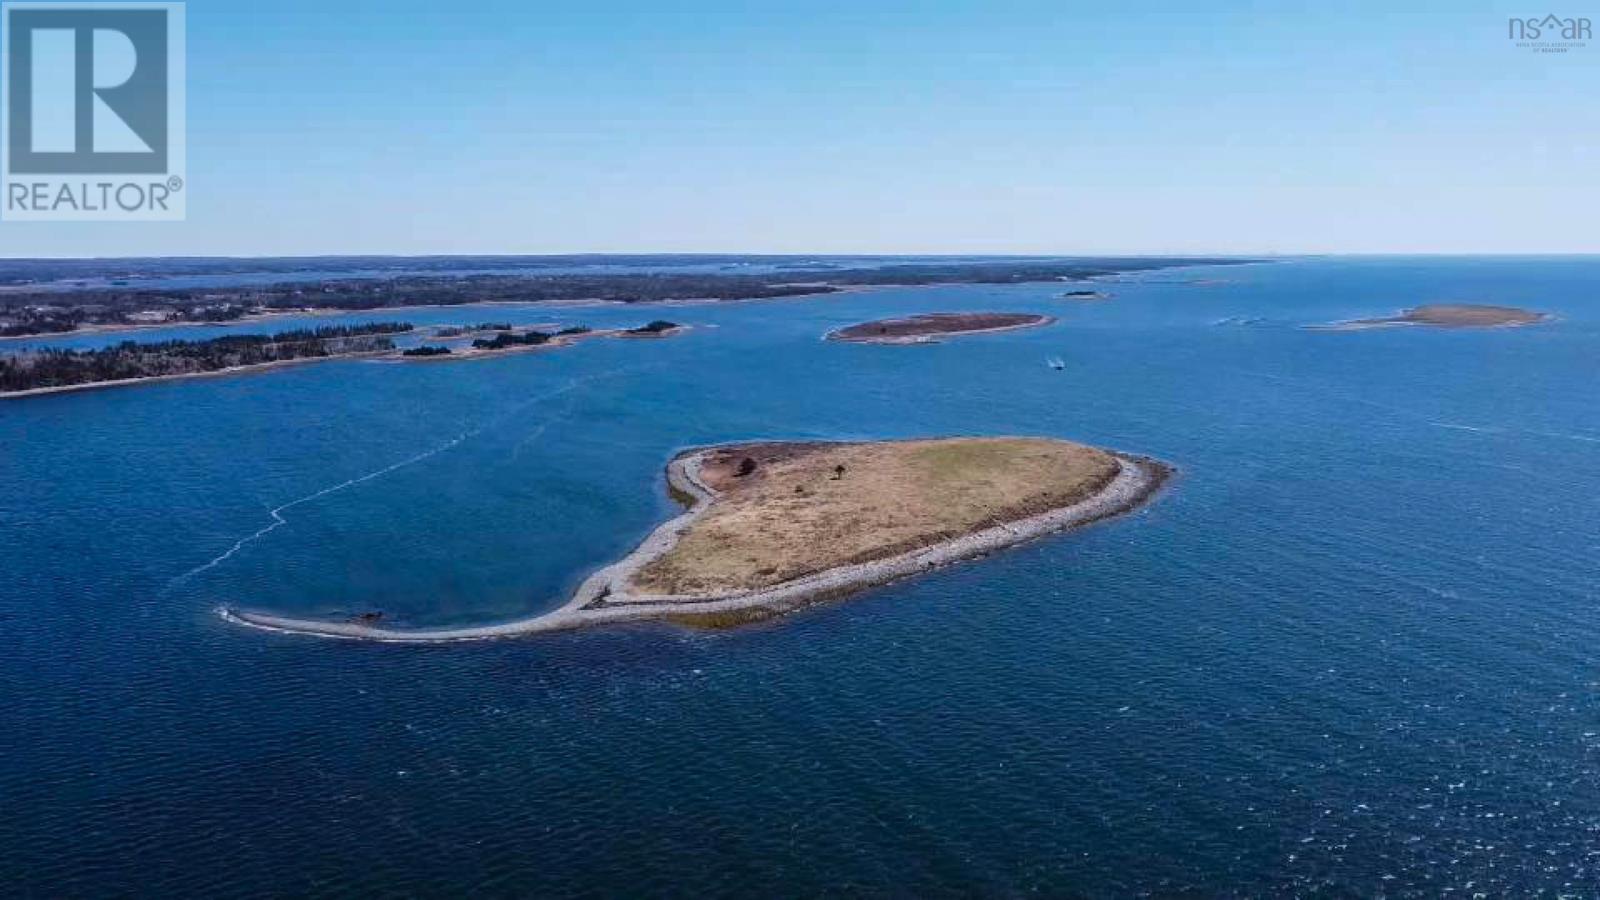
(512,341)
(929,327)
(772,527)
(1447,315)
(34,309)
(49,371)
(130,362)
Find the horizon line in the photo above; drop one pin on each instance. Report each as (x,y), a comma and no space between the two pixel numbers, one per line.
(1280,255)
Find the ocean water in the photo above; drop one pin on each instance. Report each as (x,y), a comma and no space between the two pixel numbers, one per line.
(1355,649)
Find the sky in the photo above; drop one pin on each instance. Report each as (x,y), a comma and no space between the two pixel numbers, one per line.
(509,126)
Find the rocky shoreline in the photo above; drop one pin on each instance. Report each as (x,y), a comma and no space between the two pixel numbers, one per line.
(606,596)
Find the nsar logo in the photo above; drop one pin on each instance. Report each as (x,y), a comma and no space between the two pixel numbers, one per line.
(1551,34)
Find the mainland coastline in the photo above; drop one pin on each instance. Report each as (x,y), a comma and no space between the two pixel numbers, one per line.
(162,356)
(723,487)
(35,310)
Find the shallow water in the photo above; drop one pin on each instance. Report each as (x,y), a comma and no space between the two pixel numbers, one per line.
(1354,648)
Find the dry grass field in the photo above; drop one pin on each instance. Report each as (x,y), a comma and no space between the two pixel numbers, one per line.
(1461,315)
(929,326)
(1449,315)
(794,511)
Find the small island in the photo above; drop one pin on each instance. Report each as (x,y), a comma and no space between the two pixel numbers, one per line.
(660,328)
(1086,295)
(1447,315)
(775,526)
(928,328)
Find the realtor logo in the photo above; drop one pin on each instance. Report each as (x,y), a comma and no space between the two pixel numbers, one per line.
(93,111)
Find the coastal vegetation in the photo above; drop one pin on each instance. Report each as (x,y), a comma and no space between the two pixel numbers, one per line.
(131,360)
(653,329)
(27,309)
(928,327)
(513,339)
(426,351)
(784,511)
(450,331)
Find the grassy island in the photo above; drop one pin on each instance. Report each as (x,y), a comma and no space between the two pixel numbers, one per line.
(929,327)
(798,509)
(772,527)
(1448,315)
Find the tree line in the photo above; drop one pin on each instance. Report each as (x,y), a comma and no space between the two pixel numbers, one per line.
(53,367)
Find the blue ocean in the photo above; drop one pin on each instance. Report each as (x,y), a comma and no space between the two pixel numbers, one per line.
(1353,649)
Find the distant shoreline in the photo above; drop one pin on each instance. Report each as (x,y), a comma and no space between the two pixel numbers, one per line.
(604,597)
(326,312)
(397,356)
(774,286)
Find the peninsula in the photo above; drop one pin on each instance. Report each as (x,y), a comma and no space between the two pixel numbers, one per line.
(1447,315)
(928,328)
(772,527)
(54,370)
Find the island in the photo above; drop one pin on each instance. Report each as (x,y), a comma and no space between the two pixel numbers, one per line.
(928,328)
(511,341)
(1086,295)
(660,328)
(771,527)
(1446,315)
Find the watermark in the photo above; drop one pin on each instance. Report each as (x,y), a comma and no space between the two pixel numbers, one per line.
(1550,34)
(92,125)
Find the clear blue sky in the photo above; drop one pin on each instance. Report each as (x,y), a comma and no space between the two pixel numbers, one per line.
(338,126)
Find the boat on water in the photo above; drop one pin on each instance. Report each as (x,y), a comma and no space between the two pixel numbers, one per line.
(1056,362)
